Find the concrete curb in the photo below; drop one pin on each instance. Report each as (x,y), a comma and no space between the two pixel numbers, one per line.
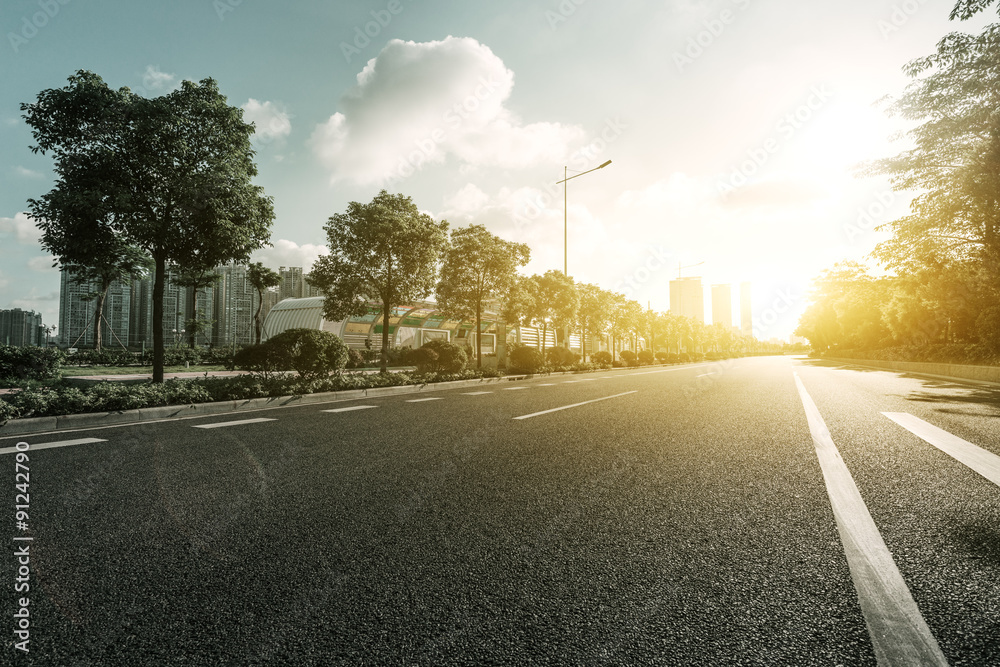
(99,419)
(986,375)
(34,425)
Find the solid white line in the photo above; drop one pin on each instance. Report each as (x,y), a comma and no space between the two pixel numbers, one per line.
(513,388)
(900,635)
(476,393)
(984,462)
(422,400)
(351,408)
(236,423)
(50,445)
(575,405)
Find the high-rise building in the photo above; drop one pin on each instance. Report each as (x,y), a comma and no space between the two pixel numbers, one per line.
(21,328)
(76,312)
(292,283)
(687,298)
(722,305)
(746,310)
(235,304)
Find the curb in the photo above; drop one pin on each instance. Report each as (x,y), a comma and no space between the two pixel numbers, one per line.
(874,364)
(34,425)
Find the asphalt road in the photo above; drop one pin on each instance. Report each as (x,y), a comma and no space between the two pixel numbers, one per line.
(676,516)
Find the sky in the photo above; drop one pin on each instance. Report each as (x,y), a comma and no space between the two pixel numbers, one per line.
(735,128)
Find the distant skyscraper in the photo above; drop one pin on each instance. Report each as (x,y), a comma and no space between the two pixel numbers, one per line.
(722,305)
(76,326)
(235,304)
(21,328)
(292,284)
(687,298)
(746,310)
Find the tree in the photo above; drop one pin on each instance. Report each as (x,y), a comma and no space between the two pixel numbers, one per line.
(478,266)
(594,313)
(385,251)
(556,301)
(955,163)
(174,172)
(262,279)
(966,9)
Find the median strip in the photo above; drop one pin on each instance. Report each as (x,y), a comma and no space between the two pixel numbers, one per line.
(50,445)
(899,634)
(575,405)
(236,423)
(983,462)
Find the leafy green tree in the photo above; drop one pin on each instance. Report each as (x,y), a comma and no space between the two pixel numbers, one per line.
(594,314)
(556,301)
(478,267)
(966,9)
(385,251)
(175,172)
(262,279)
(955,161)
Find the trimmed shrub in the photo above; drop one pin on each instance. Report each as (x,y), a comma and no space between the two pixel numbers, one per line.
(988,328)
(524,359)
(629,357)
(646,357)
(561,356)
(451,358)
(602,358)
(355,359)
(663,357)
(18,364)
(311,353)
(424,358)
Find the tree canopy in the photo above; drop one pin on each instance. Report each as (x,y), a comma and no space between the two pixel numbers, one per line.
(172,174)
(478,266)
(384,252)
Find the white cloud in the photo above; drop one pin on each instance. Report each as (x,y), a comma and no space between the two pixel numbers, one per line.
(271,121)
(421,103)
(288,253)
(155,80)
(20,227)
(27,173)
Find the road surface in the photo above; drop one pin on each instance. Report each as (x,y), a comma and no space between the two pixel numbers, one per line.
(765,511)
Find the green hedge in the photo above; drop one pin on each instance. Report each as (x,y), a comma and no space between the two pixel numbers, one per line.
(19,364)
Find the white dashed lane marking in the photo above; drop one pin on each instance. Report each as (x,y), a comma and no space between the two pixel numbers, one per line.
(575,405)
(423,400)
(236,423)
(985,463)
(352,408)
(50,445)
(476,393)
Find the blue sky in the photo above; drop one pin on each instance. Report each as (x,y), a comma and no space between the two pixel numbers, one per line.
(734,126)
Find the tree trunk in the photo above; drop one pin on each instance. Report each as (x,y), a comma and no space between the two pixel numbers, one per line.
(158,284)
(258,325)
(99,313)
(479,328)
(545,335)
(384,356)
(193,326)
(583,344)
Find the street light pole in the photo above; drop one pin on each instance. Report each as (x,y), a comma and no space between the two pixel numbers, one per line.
(566,178)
